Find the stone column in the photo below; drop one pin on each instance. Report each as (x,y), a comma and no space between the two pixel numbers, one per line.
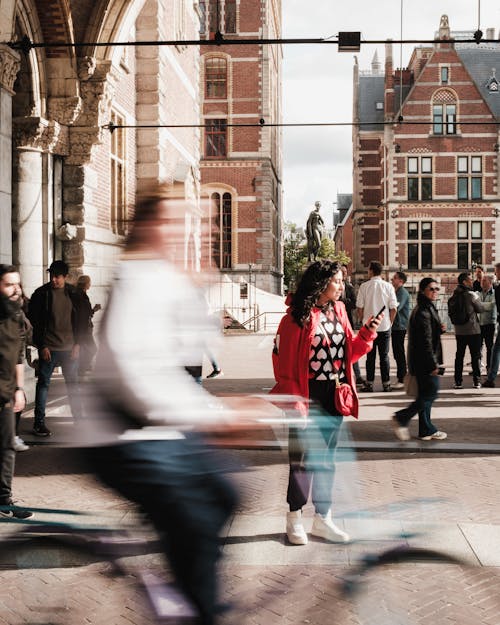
(9,66)
(34,138)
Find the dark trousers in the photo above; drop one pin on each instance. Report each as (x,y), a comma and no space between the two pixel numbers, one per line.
(473,342)
(70,372)
(398,351)
(311,452)
(428,388)
(7,452)
(381,343)
(487,337)
(187,499)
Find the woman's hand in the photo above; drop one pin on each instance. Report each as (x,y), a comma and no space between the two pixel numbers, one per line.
(373,323)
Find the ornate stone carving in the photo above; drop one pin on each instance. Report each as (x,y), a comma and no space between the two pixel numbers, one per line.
(64,109)
(9,66)
(86,67)
(38,133)
(97,94)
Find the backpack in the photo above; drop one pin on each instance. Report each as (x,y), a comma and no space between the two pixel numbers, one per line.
(457,309)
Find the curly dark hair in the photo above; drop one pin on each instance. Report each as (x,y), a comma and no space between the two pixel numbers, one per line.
(314,281)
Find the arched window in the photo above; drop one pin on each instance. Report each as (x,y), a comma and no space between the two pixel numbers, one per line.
(222,208)
(216,77)
(444,113)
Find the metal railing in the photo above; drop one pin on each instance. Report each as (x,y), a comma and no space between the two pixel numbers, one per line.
(264,321)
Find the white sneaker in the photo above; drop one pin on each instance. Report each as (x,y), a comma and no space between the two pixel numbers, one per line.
(324,527)
(398,386)
(437,436)
(19,444)
(294,528)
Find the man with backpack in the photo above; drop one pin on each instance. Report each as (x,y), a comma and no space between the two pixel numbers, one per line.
(463,307)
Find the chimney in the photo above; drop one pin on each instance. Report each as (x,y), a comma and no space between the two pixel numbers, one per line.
(490,33)
(388,83)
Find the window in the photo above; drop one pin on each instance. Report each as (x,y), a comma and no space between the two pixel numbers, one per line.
(118,212)
(444,119)
(419,253)
(217,15)
(445,75)
(230,16)
(469,246)
(469,180)
(419,184)
(222,207)
(215,77)
(215,138)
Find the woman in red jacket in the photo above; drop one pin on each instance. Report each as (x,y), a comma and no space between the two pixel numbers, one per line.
(314,343)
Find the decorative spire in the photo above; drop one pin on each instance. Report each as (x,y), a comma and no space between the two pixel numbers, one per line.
(444,27)
(375,64)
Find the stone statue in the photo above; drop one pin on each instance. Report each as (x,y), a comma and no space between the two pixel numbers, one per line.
(314,232)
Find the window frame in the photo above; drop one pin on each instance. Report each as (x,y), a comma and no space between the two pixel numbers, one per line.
(216,138)
(118,176)
(216,78)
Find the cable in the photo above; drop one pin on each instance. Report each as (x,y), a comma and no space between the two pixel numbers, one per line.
(25,44)
(262,123)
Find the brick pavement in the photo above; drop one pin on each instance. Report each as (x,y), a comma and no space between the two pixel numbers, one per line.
(276,583)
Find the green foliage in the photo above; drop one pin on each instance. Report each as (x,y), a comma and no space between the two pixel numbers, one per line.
(295,256)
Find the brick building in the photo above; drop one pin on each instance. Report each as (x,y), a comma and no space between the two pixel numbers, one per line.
(426,188)
(241,166)
(67,182)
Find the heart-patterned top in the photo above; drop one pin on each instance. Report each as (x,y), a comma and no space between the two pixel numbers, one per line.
(327,353)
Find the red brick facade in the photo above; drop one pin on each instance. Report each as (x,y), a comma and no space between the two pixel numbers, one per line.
(426,189)
(241,85)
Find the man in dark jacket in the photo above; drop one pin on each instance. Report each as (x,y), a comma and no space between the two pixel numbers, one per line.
(495,355)
(55,312)
(11,384)
(468,334)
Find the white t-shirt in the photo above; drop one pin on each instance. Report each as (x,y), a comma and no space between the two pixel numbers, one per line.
(372,295)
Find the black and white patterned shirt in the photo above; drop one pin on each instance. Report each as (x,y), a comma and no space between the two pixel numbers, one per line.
(327,352)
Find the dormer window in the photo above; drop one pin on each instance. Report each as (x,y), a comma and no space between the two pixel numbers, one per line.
(444,74)
(379,106)
(492,84)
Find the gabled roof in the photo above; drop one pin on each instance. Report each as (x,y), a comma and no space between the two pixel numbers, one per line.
(479,62)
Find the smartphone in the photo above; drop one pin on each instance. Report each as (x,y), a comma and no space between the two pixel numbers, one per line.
(380,311)
(441,370)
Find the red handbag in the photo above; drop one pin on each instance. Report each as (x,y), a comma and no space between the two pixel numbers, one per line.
(344,398)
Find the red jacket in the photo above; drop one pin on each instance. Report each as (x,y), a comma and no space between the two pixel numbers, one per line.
(291,354)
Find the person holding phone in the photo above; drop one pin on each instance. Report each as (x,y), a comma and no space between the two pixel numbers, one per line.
(425,357)
(373,295)
(315,346)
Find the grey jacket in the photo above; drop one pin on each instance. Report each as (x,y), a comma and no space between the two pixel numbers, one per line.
(474,307)
(488,317)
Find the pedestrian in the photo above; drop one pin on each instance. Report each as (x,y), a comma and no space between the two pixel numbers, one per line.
(373,295)
(425,357)
(463,308)
(149,404)
(88,347)
(55,311)
(12,398)
(315,347)
(487,319)
(27,336)
(477,285)
(494,362)
(399,326)
(349,299)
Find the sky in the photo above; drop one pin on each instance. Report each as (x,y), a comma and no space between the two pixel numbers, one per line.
(317,83)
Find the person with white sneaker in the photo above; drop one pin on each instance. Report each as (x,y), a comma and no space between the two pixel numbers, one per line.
(425,355)
(315,348)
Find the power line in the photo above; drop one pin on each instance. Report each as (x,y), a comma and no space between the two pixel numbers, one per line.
(262,123)
(25,44)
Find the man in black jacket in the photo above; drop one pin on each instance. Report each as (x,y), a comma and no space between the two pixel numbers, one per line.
(11,384)
(495,355)
(55,311)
